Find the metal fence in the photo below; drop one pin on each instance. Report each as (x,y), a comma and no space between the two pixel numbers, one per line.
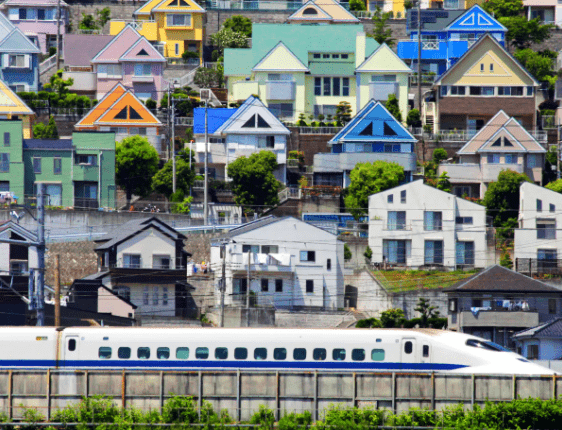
(241,392)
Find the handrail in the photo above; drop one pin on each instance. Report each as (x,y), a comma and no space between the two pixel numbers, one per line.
(48,64)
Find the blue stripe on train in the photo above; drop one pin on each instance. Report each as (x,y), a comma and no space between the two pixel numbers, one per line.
(226,364)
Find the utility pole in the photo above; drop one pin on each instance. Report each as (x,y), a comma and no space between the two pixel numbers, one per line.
(31,290)
(206,188)
(173,147)
(58,35)
(248,291)
(57,291)
(223,284)
(40,304)
(558,153)
(168,118)
(419,58)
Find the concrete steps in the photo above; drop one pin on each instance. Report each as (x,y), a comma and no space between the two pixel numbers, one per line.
(313,319)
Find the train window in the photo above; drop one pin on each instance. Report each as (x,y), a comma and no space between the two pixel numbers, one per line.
(182,353)
(358,354)
(338,354)
(377,355)
(104,352)
(221,353)
(425,351)
(379,340)
(163,353)
(408,347)
(240,353)
(299,354)
(143,353)
(319,354)
(202,353)
(124,353)
(279,354)
(260,354)
(490,346)
(72,344)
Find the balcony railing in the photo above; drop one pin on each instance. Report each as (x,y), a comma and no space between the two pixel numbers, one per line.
(430,45)
(83,203)
(425,79)
(396,226)
(253,5)
(319,130)
(535,266)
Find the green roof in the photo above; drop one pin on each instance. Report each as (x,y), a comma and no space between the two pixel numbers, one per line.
(300,39)
(332,68)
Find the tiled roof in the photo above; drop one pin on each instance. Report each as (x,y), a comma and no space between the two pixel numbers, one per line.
(47,144)
(33,3)
(550,329)
(501,279)
(79,49)
(432,19)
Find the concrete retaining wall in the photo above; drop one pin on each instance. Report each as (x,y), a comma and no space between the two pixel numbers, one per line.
(241,392)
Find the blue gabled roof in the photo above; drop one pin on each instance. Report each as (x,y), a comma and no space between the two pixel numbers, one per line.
(474,19)
(47,144)
(373,123)
(215,118)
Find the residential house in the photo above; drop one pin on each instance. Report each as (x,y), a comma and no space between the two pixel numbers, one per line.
(78,52)
(418,226)
(398,9)
(446,35)
(144,262)
(309,69)
(543,342)
(131,60)
(546,11)
(373,134)
(322,12)
(485,80)
(537,242)
(289,263)
(37,19)
(20,58)
(501,144)
(14,108)
(498,302)
(17,260)
(77,172)
(239,132)
(121,112)
(174,26)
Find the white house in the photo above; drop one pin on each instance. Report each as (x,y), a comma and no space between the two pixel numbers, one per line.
(538,244)
(416,225)
(17,259)
(543,342)
(292,264)
(233,133)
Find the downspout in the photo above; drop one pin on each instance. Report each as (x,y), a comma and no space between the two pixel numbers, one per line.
(99,177)
(72,155)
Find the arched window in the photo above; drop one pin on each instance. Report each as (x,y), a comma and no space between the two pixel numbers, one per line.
(310,11)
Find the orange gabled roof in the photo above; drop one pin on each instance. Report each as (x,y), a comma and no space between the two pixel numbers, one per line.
(127,110)
(103,105)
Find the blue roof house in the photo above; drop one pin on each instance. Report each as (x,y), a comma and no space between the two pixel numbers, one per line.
(446,35)
(372,135)
(234,133)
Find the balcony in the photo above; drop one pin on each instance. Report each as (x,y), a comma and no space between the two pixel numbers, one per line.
(490,172)
(83,81)
(261,262)
(244,89)
(147,28)
(499,318)
(462,173)
(83,172)
(253,5)
(534,266)
(425,79)
(85,203)
(280,90)
(148,79)
(381,90)
(434,49)
(347,161)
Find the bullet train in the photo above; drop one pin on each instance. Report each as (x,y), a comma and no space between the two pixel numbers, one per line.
(369,350)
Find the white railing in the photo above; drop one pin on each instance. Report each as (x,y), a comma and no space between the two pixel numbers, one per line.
(83,31)
(184,120)
(48,64)
(319,130)
(289,193)
(432,45)
(425,79)
(186,79)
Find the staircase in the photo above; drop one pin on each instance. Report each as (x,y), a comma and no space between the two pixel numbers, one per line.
(182,81)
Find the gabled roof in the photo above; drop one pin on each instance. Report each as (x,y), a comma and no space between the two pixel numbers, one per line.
(18,42)
(10,103)
(152,6)
(486,38)
(550,329)
(280,58)
(373,123)
(431,19)
(95,282)
(79,49)
(384,59)
(10,226)
(251,118)
(501,279)
(125,47)
(513,138)
(60,144)
(36,3)
(475,18)
(142,50)
(323,10)
(215,119)
(118,107)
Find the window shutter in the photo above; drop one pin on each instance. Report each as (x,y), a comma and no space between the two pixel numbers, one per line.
(26,61)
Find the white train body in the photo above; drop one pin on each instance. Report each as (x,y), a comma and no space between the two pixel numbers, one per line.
(385,350)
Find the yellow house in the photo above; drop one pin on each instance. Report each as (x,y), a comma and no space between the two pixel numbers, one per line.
(322,12)
(173,26)
(12,107)
(399,11)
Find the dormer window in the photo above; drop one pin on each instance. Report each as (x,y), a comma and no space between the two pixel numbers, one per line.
(310,11)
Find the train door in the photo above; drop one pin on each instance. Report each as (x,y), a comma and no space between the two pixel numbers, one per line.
(70,350)
(425,353)
(409,350)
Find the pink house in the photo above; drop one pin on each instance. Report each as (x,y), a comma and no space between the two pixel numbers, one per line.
(131,60)
(37,20)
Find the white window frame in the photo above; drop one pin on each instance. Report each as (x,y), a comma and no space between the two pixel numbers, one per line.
(170,18)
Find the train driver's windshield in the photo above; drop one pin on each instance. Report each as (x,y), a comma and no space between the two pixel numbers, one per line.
(490,346)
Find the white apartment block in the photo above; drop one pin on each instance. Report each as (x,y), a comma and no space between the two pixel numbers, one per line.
(418,226)
(292,265)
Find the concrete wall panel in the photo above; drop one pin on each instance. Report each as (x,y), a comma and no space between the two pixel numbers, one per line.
(181,384)
(104,384)
(453,387)
(497,388)
(140,384)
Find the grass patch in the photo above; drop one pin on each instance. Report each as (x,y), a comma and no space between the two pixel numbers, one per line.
(408,280)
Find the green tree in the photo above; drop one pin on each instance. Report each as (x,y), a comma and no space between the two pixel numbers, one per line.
(136,162)
(162,182)
(208,78)
(368,323)
(104,16)
(239,24)
(393,107)
(502,197)
(439,154)
(228,38)
(368,179)
(505,259)
(426,311)
(58,85)
(522,33)
(539,64)
(253,182)
(443,183)
(503,8)
(184,207)
(88,22)
(392,318)
(414,118)
(49,131)
(347,255)
(343,113)
(358,5)
(368,253)
(382,33)
(555,186)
